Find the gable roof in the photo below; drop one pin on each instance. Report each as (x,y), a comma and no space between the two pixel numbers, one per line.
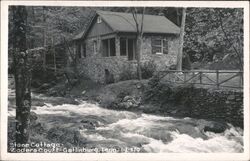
(124,22)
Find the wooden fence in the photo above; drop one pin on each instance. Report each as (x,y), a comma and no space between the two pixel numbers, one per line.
(215,78)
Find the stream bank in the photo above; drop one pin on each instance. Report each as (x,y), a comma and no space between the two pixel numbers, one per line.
(165,99)
(129,114)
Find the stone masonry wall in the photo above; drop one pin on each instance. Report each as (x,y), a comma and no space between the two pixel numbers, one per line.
(217,105)
(164,60)
(94,64)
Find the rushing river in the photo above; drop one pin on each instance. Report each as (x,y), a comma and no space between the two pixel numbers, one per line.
(143,132)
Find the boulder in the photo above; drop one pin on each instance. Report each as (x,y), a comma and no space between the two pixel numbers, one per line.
(129,102)
(91,122)
(216,127)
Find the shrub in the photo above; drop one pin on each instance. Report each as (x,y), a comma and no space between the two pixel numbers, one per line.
(148,69)
(127,74)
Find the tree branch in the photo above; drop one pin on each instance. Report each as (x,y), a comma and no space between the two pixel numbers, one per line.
(226,36)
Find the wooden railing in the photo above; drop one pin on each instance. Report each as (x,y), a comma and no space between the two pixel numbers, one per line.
(216,78)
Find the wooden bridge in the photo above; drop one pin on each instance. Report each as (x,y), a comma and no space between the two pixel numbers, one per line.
(207,78)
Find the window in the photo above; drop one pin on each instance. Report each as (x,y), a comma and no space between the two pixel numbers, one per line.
(81,50)
(108,47)
(159,46)
(95,47)
(84,50)
(78,50)
(123,46)
(112,47)
(127,48)
(99,19)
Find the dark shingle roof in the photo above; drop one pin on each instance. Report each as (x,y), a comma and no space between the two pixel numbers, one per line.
(124,22)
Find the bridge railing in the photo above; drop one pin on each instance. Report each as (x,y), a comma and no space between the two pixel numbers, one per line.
(215,78)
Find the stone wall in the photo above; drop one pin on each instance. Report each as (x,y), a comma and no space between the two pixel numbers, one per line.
(217,105)
(164,60)
(94,64)
(189,101)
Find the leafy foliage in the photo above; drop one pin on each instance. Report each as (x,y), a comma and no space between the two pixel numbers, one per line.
(148,68)
(205,40)
(212,35)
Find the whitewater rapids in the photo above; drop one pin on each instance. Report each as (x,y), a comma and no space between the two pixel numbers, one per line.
(149,133)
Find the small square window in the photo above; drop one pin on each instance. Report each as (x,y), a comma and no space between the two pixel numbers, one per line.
(159,46)
(99,19)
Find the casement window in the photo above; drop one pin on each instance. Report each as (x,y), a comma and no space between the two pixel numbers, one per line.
(95,47)
(108,47)
(78,50)
(81,50)
(123,46)
(159,46)
(84,50)
(127,48)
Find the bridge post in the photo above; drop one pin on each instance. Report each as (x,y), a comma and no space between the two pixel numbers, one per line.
(217,79)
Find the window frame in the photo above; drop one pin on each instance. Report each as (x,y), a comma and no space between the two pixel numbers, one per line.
(127,39)
(126,45)
(108,54)
(95,47)
(161,46)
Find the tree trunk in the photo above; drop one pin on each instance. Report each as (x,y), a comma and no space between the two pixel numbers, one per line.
(139,38)
(180,49)
(22,75)
(138,57)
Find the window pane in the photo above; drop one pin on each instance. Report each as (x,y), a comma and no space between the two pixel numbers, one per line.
(157,42)
(165,50)
(95,47)
(165,43)
(78,50)
(156,49)
(156,45)
(123,48)
(105,48)
(112,47)
(165,47)
(84,50)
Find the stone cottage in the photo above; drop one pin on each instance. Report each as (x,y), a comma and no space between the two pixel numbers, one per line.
(107,46)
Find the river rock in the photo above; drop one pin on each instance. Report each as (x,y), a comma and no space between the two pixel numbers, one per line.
(216,127)
(128,102)
(91,122)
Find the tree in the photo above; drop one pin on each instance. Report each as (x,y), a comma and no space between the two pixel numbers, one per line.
(180,49)
(220,15)
(212,35)
(22,73)
(139,37)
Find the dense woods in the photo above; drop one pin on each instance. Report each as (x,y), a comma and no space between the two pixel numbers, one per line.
(213,36)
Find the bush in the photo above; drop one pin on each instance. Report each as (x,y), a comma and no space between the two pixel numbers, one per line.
(127,74)
(148,69)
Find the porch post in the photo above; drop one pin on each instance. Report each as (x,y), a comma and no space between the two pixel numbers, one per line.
(117,45)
